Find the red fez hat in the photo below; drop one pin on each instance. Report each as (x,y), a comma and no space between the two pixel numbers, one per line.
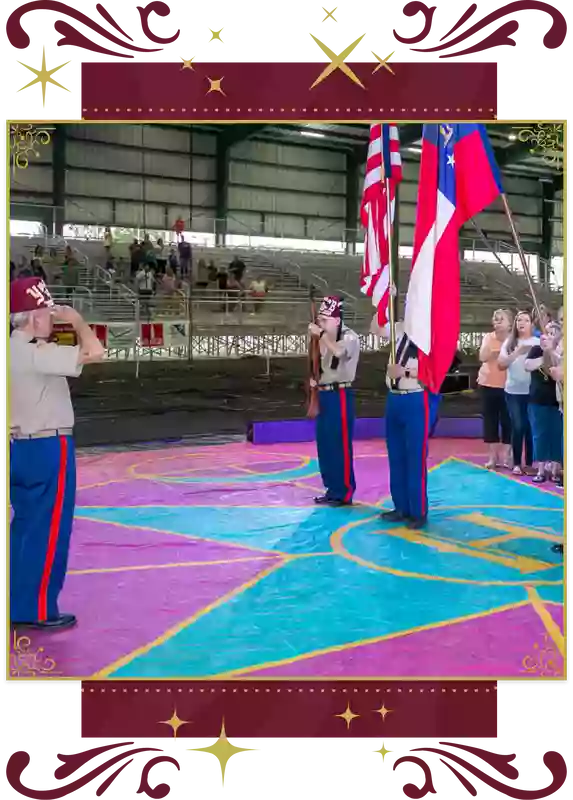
(331,307)
(29,294)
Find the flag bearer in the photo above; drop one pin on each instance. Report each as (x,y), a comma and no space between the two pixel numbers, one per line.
(42,459)
(340,351)
(411,414)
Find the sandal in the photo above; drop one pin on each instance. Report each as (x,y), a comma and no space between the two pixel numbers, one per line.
(517,470)
(539,478)
(491,465)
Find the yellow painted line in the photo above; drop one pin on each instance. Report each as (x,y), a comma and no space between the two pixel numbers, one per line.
(510,530)
(173,631)
(522,563)
(141,567)
(373,640)
(549,623)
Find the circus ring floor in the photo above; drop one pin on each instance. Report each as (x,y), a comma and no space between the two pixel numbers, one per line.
(212,561)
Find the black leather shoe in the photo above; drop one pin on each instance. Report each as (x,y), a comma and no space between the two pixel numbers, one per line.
(325,500)
(393,516)
(61,622)
(417,523)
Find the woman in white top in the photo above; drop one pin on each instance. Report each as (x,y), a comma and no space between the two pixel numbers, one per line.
(512,358)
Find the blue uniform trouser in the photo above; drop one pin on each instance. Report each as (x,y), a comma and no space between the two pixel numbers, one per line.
(42,495)
(410,419)
(334,432)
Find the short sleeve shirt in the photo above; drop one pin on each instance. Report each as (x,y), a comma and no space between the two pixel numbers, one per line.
(39,392)
(347,363)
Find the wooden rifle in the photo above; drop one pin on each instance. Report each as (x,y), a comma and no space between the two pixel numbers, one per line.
(313,363)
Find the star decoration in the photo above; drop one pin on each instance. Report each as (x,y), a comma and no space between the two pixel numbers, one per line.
(175,723)
(348,716)
(384,751)
(44,79)
(384,58)
(451,161)
(224,752)
(215,85)
(186,61)
(218,35)
(383,711)
(337,62)
(329,14)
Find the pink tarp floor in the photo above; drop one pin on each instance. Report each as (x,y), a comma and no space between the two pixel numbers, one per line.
(213,561)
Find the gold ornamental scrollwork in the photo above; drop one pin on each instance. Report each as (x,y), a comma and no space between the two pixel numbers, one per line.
(545,661)
(27,662)
(25,143)
(546,139)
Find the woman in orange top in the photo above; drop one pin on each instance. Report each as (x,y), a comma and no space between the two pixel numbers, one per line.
(491,379)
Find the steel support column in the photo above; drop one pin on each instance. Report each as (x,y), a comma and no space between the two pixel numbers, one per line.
(59,178)
(352,172)
(548,190)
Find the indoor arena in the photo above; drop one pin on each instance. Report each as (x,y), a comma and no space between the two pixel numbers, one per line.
(199,255)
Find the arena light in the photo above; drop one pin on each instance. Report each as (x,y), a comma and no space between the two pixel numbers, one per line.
(313,134)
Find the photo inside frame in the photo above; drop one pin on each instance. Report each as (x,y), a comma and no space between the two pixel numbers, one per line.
(219,528)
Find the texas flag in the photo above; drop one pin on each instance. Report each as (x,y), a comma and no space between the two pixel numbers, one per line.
(459,177)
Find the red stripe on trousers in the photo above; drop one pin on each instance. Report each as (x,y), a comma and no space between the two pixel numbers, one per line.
(54,532)
(345,444)
(423,504)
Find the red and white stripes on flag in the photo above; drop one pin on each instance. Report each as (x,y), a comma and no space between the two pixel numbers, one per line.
(383,161)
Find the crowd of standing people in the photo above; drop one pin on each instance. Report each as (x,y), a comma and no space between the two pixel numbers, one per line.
(521,379)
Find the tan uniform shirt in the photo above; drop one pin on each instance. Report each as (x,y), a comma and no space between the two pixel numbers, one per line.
(403,384)
(348,362)
(39,392)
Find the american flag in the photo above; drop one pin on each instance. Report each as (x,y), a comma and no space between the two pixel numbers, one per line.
(383,161)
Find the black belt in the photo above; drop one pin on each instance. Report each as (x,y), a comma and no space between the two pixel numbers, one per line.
(333,387)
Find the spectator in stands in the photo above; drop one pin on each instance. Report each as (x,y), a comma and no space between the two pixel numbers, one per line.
(222,281)
(491,379)
(38,269)
(150,258)
(161,258)
(185,257)
(179,228)
(212,271)
(237,269)
(135,254)
(108,242)
(258,291)
(512,359)
(39,253)
(146,244)
(234,293)
(173,259)
(202,275)
(145,282)
(546,418)
(71,271)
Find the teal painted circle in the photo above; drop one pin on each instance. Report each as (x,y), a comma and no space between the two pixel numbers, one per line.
(444,550)
(285,475)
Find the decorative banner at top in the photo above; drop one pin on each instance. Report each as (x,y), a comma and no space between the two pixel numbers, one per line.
(281,92)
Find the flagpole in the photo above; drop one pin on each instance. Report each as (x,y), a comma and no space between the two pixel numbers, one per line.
(524,263)
(391,283)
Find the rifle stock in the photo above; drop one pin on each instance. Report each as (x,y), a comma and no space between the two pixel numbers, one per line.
(313,366)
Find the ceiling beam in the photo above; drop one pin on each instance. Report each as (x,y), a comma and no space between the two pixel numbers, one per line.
(232,134)
(513,154)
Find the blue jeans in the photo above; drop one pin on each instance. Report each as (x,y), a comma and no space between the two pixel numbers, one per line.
(547,427)
(517,405)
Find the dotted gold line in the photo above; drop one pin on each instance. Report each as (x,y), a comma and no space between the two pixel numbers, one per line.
(213,690)
(285,110)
